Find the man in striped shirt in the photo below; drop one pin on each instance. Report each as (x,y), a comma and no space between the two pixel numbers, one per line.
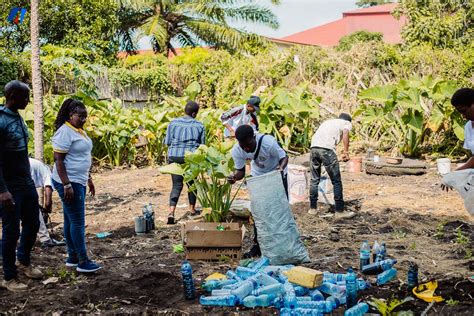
(241,115)
(183,134)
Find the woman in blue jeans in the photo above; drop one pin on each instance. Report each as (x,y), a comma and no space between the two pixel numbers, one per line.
(73,158)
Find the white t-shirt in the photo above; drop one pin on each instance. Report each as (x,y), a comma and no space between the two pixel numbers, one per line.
(236,117)
(78,147)
(40,173)
(469,136)
(329,133)
(268,159)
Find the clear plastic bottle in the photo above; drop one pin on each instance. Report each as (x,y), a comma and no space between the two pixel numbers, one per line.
(333,277)
(362,284)
(263,279)
(188,282)
(382,253)
(290,296)
(244,273)
(412,278)
(375,250)
(336,300)
(260,264)
(231,275)
(386,276)
(351,288)
(303,298)
(364,254)
(324,306)
(217,284)
(221,292)
(274,289)
(332,289)
(258,301)
(316,295)
(357,310)
(244,289)
(229,300)
(300,311)
(379,266)
(300,291)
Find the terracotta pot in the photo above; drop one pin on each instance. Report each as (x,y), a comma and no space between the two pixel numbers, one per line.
(355,165)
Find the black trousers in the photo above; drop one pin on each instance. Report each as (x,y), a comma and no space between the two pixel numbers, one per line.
(285,186)
(178,185)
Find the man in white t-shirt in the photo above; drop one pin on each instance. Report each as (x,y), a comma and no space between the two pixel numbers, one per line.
(245,114)
(265,155)
(463,101)
(41,175)
(323,153)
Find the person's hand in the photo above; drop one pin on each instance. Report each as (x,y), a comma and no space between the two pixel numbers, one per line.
(91,187)
(6,199)
(231,179)
(69,194)
(345,157)
(446,187)
(232,132)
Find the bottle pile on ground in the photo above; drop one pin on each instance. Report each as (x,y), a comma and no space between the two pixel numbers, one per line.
(263,285)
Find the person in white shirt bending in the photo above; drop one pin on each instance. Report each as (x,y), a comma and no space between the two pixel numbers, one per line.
(463,101)
(323,153)
(245,114)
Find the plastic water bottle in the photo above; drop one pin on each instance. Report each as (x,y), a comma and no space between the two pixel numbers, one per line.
(357,310)
(244,289)
(336,300)
(412,275)
(386,276)
(383,252)
(258,301)
(188,282)
(332,289)
(364,254)
(244,273)
(379,266)
(375,250)
(323,306)
(231,275)
(299,312)
(229,300)
(351,288)
(221,292)
(274,289)
(303,298)
(362,284)
(217,284)
(333,277)
(263,279)
(300,291)
(290,296)
(316,295)
(281,278)
(232,286)
(260,264)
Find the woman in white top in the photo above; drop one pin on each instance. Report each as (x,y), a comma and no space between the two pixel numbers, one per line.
(73,157)
(463,101)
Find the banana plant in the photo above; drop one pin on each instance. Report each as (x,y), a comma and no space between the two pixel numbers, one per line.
(207,169)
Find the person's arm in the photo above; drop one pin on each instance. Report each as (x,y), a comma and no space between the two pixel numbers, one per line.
(239,163)
(468,165)
(168,136)
(48,198)
(61,168)
(238,174)
(230,129)
(203,135)
(280,153)
(6,199)
(91,185)
(345,142)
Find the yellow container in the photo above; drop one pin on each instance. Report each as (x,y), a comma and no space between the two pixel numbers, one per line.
(305,277)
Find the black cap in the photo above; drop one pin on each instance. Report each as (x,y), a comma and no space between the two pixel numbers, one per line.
(255,102)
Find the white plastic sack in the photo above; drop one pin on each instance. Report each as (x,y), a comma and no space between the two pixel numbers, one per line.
(463,182)
(278,234)
(297,184)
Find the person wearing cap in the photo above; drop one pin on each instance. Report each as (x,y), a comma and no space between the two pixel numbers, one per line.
(323,153)
(245,114)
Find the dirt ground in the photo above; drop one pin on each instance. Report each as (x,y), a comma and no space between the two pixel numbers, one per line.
(411,214)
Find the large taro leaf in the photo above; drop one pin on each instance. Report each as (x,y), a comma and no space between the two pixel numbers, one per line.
(379,94)
(173,168)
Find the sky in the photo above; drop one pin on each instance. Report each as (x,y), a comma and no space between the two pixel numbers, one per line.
(295,16)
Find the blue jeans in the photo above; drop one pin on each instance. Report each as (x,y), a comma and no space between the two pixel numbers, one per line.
(328,159)
(74,221)
(25,210)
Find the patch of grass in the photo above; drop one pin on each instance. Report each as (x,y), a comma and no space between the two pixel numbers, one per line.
(468,252)
(452,302)
(440,230)
(412,246)
(461,239)
(399,234)
(67,276)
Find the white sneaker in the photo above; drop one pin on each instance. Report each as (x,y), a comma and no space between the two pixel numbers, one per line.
(345,214)
(313,211)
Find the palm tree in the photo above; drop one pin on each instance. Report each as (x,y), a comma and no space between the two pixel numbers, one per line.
(36,80)
(195,22)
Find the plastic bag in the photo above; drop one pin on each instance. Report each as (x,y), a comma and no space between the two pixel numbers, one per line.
(463,182)
(278,234)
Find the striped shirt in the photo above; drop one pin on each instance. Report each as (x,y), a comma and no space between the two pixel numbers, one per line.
(184,134)
(238,116)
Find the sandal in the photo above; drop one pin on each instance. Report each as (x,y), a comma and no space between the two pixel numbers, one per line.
(171,220)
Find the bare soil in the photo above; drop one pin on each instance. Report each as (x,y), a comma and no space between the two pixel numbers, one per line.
(411,214)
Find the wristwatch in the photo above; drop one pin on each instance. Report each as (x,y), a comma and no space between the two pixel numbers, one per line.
(67,186)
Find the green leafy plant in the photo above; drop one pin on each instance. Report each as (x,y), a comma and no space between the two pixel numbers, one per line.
(452,302)
(207,169)
(386,307)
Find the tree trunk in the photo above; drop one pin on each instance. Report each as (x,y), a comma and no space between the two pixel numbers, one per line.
(36,79)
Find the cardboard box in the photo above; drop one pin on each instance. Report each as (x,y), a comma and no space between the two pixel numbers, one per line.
(203,241)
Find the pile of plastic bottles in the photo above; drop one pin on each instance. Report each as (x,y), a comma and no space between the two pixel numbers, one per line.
(262,285)
(381,266)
